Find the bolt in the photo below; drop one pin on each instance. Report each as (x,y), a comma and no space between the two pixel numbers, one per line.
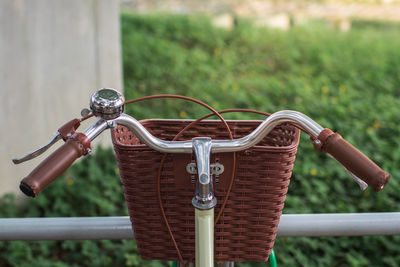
(111,124)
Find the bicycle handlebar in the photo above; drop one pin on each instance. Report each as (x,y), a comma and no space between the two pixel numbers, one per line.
(218,146)
(324,140)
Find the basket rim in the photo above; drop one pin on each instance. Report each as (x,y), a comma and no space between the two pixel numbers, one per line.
(294,144)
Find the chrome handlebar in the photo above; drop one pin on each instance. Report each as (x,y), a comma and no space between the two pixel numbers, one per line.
(217,146)
(108,104)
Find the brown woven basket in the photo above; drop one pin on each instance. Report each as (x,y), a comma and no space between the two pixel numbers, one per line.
(247,228)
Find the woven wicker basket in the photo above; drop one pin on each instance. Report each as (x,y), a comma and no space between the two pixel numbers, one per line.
(247,228)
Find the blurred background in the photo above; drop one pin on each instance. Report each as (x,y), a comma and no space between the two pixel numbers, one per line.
(336,61)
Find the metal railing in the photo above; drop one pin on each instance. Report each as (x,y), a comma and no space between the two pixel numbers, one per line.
(95,228)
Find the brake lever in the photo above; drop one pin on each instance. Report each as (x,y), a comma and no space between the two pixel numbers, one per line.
(31,155)
(363,185)
(64,132)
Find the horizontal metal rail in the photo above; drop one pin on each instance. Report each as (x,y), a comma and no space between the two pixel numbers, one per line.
(95,228)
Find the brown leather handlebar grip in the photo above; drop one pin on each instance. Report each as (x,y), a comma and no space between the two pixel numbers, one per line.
(353,160)
(52,167)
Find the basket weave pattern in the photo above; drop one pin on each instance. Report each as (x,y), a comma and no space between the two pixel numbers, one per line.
(247,228)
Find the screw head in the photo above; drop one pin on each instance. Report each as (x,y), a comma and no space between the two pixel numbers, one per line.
(85,112)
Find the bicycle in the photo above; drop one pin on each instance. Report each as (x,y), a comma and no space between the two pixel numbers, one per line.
(266,163)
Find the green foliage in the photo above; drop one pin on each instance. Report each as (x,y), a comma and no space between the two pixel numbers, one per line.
(349,82)
(375,24)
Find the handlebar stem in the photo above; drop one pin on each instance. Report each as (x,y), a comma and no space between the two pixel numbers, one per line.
(204,198)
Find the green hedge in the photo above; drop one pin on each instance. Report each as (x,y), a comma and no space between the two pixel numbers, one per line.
(349,82)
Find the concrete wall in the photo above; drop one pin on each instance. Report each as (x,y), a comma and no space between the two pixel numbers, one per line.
(53,54)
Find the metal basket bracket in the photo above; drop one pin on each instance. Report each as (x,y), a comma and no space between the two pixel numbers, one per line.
(215,168)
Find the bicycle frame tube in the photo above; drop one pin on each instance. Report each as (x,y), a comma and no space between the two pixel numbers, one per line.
(204,228)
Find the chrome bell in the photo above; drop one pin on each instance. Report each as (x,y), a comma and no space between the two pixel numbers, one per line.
(107,103)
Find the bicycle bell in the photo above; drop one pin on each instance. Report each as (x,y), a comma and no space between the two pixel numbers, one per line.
(107,103)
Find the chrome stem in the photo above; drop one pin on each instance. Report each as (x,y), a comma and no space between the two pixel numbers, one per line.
(204,198)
